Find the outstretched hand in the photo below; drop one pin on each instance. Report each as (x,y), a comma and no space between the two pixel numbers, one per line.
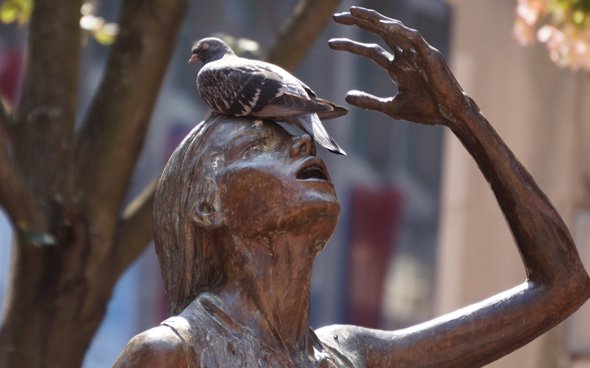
(427,90)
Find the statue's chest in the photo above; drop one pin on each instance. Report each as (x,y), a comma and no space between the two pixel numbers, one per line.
(240,350)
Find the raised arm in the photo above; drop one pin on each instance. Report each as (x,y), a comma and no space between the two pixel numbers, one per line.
(556,284)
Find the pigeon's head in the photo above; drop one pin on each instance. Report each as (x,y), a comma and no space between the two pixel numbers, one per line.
(209,49)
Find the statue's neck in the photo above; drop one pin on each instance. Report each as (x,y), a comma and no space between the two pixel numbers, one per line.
(268,287)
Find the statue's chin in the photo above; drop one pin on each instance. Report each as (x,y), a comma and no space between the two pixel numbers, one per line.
(316,219)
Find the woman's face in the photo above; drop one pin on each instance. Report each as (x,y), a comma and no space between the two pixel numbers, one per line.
(272,181)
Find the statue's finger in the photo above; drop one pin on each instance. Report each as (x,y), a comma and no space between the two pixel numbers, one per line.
(368,101)
(344,18)
(368,14)
(396,34)
(348,19)
(372,51)
(406,38)
(374,22)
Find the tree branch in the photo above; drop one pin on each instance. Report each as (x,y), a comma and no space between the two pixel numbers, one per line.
(20,204)
(42,125)
(308,20)
(136,229)
(44,120)
(117,121)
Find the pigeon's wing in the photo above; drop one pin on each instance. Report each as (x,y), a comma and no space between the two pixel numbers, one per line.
(299,87)
(241,87)
(235,88)
(288,104)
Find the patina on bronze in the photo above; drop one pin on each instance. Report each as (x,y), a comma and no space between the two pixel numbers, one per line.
(243,207)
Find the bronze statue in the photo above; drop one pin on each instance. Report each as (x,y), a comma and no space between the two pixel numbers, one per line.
(243,207)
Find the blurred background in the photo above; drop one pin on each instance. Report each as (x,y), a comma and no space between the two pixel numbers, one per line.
(420,233)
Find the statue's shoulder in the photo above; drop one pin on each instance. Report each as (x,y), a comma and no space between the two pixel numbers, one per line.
(176,342)
(157,347)
(349,340)
(339,333)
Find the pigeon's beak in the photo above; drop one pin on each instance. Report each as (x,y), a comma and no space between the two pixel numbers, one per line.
(193,59)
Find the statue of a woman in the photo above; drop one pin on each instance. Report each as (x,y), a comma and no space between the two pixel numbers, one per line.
(243,208)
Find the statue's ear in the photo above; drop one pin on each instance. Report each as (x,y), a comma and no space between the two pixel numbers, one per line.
(208,213)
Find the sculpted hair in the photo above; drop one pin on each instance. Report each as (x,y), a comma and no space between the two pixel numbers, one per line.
(188,261)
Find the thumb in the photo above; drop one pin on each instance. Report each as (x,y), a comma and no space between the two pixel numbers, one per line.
(368,101)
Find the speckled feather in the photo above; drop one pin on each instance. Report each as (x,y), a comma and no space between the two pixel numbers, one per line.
(238,86)
(232,87)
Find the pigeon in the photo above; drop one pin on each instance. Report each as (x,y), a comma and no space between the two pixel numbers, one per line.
(237,86)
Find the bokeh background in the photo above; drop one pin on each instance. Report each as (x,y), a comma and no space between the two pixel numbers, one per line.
(420,233)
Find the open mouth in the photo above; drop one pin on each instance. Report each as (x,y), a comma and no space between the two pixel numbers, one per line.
(312,171)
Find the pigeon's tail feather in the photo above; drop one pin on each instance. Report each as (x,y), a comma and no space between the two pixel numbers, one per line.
(335,112)
(312,125)
(337,149)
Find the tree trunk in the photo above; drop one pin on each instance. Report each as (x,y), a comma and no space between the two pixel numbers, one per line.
(54,307)
(64,189)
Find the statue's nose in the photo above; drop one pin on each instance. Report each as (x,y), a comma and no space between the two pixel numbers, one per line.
(302,146)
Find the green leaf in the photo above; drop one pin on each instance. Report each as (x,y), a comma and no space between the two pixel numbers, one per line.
(16,11)
(8,12)
(104,38)
(578,17)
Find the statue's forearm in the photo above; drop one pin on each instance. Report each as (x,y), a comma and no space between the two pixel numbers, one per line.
(543,240)
(557,283)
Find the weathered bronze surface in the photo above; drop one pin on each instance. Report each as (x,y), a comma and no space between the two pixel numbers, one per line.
(243,208)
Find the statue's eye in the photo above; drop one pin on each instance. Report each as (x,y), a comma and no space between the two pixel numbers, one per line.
(249,146)
(254,147)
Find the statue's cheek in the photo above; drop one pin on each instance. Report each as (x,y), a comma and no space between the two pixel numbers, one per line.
(253,201)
